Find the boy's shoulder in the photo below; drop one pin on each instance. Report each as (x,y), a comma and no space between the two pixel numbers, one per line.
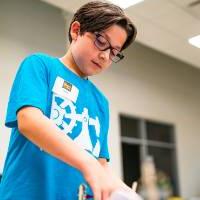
(41,56)
(38,60)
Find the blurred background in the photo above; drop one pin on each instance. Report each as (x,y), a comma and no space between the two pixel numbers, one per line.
(154,92)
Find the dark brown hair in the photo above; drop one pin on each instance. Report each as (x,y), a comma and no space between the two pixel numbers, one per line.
(97,16)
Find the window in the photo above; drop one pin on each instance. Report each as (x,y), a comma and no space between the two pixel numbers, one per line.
(141,138)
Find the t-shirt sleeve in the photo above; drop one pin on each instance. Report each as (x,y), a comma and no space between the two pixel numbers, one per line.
(104,152)
(29,88)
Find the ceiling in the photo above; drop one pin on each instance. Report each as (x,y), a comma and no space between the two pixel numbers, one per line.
(164,25)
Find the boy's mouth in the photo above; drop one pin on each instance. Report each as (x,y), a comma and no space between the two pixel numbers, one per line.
(98,65)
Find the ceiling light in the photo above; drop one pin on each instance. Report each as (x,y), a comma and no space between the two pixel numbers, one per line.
(125,3)
(195,41)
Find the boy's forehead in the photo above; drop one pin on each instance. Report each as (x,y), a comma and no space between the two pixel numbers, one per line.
(116,35)
(109,38)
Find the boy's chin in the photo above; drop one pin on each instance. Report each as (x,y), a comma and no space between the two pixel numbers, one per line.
(90,73)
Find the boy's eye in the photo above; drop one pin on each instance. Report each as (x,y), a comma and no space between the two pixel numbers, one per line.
(102,42)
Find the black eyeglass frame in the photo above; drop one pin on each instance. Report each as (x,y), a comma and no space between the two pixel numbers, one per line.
(119,56)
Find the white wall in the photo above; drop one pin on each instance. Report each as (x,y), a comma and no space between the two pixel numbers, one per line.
(27,26)
(146,84)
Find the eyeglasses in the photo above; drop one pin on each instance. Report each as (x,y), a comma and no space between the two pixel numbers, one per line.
(103,44)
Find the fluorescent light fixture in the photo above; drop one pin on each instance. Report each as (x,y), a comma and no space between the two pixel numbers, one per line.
(125,3)
(195,41)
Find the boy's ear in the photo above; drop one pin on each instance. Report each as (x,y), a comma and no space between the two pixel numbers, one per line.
(75,30)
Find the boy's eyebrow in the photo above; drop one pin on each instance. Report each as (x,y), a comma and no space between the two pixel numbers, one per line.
(108,37)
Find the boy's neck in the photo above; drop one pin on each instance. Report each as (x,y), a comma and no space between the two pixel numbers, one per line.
(69,62)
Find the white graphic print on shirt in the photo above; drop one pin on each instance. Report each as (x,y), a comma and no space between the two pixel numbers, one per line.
(59,113)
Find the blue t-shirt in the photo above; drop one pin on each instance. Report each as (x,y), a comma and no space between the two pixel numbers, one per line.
(76,106)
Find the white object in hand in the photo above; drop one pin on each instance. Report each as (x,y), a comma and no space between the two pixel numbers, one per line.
(121,194)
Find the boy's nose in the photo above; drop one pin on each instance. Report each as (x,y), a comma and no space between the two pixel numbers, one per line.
(105,55)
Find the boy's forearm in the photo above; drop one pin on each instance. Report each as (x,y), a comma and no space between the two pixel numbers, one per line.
(45,134)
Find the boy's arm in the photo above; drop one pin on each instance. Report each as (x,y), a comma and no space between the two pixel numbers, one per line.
(44,133)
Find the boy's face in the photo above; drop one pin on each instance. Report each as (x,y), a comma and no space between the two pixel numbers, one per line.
(88,59)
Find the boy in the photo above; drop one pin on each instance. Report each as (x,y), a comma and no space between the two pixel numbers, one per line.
(59,119)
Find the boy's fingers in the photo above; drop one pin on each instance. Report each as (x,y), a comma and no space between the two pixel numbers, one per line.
(96,193)
(105,195)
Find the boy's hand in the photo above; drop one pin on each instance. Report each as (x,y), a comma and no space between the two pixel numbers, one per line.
(99,180)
